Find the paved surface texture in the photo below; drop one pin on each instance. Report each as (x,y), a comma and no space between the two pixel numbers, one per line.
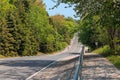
(22,68)
(95,67)
(62,70)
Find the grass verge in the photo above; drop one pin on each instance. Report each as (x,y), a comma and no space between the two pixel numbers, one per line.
(1,56)
(106,52)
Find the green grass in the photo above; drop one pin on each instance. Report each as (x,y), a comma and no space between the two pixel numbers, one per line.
(1,56)
(109,54)
(114,60)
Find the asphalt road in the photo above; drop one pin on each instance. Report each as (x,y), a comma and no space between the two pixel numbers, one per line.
(25,68)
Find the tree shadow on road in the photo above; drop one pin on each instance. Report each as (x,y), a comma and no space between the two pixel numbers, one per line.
(95,67)
(25,68)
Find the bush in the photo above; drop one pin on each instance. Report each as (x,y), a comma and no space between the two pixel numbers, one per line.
(118,50)
(109,54)
(115,60)
(105,51)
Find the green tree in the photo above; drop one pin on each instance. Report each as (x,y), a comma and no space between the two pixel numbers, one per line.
(88,34)
(16,36)
(107,10)
(6,29)
(65,28)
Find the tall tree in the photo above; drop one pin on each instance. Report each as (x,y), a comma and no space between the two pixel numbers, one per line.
(6,38)
(108,10)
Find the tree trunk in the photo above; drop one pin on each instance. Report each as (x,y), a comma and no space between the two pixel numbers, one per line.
(111,33)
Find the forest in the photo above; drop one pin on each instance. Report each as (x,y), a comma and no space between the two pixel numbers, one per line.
(99,23)
(26,28)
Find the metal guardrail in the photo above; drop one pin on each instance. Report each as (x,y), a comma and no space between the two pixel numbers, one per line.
(78,71)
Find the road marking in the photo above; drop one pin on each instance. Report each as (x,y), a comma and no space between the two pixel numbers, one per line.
(44,67)
(61,59)
(41,70)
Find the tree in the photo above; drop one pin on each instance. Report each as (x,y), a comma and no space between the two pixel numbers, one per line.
(6,29)
(107,10)
(25,29)
(88,33)
(64,26)
(16,37)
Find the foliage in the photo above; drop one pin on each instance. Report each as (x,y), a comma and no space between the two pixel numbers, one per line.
(115,60)
(106,52)
(25,29)
(108,20)
(88,33)
(64,30)
(6,38)
(64,26)
(1,56)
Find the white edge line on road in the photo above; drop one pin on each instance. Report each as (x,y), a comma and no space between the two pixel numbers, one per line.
(40,70)
(43,68)
(47,67)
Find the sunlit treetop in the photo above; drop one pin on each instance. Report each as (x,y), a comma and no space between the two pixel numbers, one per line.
(85,7)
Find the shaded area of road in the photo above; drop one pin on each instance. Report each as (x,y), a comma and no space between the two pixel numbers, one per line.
(22,68)
(62,70)
(95,67)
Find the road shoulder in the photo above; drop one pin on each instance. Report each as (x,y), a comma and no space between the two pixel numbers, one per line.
(96,67)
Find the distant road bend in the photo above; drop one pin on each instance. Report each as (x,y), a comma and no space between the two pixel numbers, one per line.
(45,67)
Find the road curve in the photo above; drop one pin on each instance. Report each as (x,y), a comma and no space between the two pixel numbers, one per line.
(25,68)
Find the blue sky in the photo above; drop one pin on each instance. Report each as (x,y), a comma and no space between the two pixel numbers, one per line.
(59,10)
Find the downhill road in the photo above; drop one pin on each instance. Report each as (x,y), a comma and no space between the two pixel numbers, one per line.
(26,68)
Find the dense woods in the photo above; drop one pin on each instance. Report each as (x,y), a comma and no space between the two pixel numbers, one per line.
(100,22)
(26,28)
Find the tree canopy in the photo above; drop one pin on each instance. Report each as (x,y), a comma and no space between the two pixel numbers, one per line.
(26,28)
(107,20)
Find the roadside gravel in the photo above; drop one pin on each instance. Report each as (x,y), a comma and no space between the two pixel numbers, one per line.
(96,67)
